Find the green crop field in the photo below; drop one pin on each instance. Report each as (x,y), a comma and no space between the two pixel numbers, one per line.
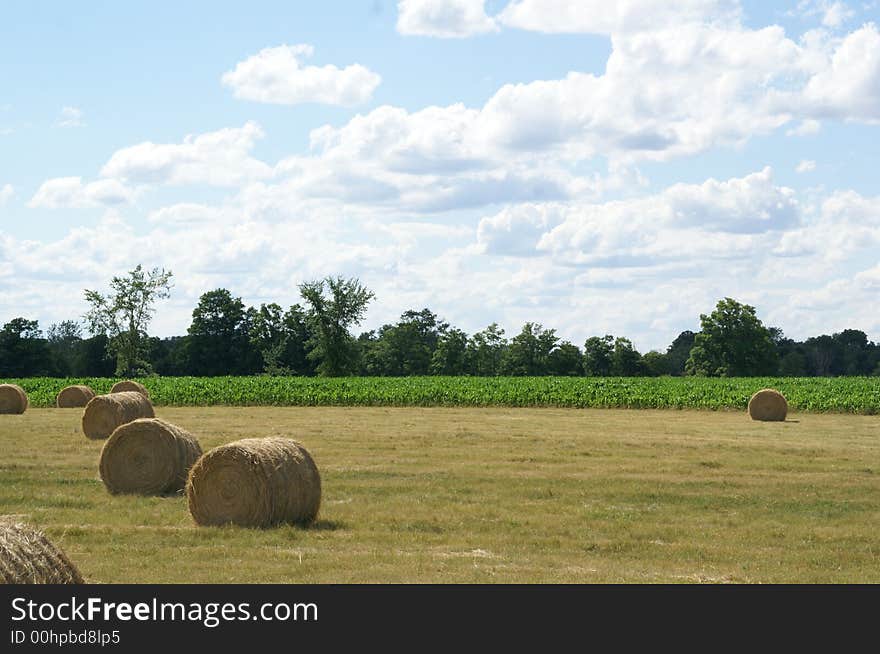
(813,394)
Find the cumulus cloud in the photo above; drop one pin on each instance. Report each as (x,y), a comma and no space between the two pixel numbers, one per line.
(622,16)
(835,14)
(517,230)
(71,193)
(70,117)
(185,213)
(220,158)
(848,87)
(715,219)
(6,192)
(665,93)
(831,14)
(278,76)
(577,266)
(443,18)
(845,223)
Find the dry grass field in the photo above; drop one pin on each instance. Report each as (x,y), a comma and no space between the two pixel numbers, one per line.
(484,495)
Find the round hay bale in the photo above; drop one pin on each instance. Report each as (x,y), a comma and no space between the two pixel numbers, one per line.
(28,557)
(74,396)
(255,482)
(13,399)
(148,456)
(104,413)
(130,385)
(768,405)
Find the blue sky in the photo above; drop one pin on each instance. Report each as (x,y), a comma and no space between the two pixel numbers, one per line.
(598,169)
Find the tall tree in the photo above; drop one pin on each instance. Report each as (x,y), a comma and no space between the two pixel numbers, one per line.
(64,339)
(678,352)
(95,358)
(23,351)
(733,342)
(598,355)
(281,338)
(218,336)
(626,360)
(486,350)
(529,351)
(124,314)
(406,348)
(335,305)
(566,360)
(450,357)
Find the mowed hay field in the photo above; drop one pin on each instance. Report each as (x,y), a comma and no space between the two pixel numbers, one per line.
(484,495)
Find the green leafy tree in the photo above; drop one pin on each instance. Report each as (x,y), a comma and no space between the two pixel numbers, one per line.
(64,339)
(598,355)
(566,360)
(335,305)
(793,364)
(529,351)
(656,363)
(485,351)
(94,358)
(406,348)
(219,341)
(733,342)
(281,338)
(626,360)
(678,352)
(23,351)
(450,357)
(124,314)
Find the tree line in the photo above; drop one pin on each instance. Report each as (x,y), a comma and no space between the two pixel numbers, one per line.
(316,337)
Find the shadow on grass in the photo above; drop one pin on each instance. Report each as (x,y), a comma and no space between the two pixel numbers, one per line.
(327,525)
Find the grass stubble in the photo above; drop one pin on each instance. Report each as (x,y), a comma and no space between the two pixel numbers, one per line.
(445,495)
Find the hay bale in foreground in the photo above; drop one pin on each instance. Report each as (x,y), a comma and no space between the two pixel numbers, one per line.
(130,385)
(768,405)
(255,482)
(13,399)
(74,396)
(104,413)
(148,456)
(28,557)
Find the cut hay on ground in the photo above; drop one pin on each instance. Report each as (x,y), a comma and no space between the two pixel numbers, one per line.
(74,396)
(28,557)
(255,482)
(104,413)
(148,456)
(129,385)
(13,399)
(768,405)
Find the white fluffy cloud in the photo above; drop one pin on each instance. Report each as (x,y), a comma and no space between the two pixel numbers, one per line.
(443,18)
(185,213)
(715,219)
(848,87)
(71,193)
(621,16)
(6,192)
(278,76)
(577,266)
(220,158)
(806,166)
(665,93)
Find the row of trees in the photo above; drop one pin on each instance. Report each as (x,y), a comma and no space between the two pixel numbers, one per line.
(315,338)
